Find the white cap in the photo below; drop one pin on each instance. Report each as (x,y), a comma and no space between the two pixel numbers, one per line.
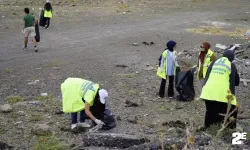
(103,95)
(47,1)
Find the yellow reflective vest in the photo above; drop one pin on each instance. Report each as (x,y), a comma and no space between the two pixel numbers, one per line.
(161,71)
(206,63)
(47,14)
(73,90)
(218,83)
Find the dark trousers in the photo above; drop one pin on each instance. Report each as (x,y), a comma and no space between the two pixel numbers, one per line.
(213,111)
(83,116)
(47,21)
(170,87)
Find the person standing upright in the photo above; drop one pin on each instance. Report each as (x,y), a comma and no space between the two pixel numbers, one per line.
(167,67)
(221,79)
(47,13)
(29,29)
(206,56)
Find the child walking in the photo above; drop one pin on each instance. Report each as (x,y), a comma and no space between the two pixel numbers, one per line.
(47,13)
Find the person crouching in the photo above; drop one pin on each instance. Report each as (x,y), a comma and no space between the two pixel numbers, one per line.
(78,95)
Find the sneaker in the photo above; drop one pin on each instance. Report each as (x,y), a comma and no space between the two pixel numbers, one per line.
(73,126)
(25,48)
(47,28)
(84,125)
(36,50)
(171,97)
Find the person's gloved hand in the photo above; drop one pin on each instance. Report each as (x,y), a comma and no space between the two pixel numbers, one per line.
(99,122)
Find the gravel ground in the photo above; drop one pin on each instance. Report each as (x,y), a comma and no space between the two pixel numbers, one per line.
(88,40)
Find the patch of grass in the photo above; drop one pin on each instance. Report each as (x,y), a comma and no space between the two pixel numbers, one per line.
(163,108)
(14,99)
(49,143)
(36,117)
(213,129)
(215,30)
(2,131)
(14,115)
(43,98)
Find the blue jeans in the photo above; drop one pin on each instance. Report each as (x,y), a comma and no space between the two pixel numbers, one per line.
(83,116)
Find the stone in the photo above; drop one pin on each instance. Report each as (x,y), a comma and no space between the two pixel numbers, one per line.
(202,139)
(148,68)
(28,103)
(112,140)
(41,129)
(175,124)
(6,108)
(21,113)
(134,121)
(118,118)
(131,104)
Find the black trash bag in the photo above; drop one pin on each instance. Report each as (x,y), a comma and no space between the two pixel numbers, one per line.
(37,37)
(42,20)
(184,84)
(108,118)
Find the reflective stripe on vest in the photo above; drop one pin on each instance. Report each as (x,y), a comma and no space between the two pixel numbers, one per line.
(87,86)
(218,83)
(161,71)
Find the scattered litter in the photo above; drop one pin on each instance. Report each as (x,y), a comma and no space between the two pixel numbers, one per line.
(248,34)
(44,94)
(145,115)
(124,13)
(122,66)
(220,46)
(245,81)
(3,16)
(149,68)
(146,43)
(33,82)
(247,63)
(59,112)
(137,72)
(96,128)
(130,104)
(135,44)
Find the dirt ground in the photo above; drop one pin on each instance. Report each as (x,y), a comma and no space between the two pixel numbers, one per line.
(87,39)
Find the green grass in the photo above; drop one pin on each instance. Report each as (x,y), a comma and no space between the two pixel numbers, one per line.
(14,99)
(49,143)
(2,131)
(35,118)
(43,98)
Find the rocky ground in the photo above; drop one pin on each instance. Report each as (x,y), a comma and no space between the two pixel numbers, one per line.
(104,41)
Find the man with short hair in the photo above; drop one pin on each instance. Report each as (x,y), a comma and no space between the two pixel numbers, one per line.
(29,29)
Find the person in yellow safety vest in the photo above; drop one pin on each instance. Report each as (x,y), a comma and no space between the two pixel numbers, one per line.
(79,95)
(206,56)
(221,77)
(167,67)
(47,13)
